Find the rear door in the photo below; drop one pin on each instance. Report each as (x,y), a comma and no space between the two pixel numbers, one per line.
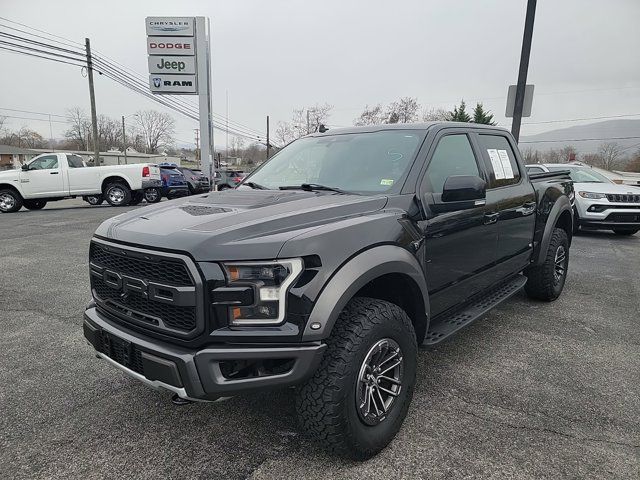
(460,246)
(511,189)
(44,178)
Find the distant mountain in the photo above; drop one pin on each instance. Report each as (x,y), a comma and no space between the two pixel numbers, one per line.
(572,135)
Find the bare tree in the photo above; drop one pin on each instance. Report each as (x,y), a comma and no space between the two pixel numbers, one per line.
(593,159)
(157,129)
(2,122)
(567,153)
(435,115)
(610,154)
(80,128)
(530,155)
(303,122)
(370,116)
(404,110)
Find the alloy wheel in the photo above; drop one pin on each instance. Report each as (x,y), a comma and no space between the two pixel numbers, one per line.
(560,267)
(379,381)
(116,195)
(7,202)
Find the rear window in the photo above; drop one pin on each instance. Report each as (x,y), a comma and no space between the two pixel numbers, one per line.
(75,161)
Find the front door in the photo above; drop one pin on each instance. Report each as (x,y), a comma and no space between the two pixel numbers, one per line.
(44,178)
(460,246)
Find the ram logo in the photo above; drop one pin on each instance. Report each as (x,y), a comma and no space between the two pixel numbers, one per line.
(157,82)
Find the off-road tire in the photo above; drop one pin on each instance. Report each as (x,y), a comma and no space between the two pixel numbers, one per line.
(136,197)
(626,231)
(152,195)
(94,199)
(35,204)
(543,283)
(123,197)
(326,403)
(12,204)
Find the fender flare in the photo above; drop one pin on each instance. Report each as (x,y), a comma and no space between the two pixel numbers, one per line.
(561,205)
(15,187)
(119,176)
(354,275)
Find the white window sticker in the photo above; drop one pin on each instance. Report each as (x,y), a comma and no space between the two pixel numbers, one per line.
(386,181)
(506,163)
(496,163)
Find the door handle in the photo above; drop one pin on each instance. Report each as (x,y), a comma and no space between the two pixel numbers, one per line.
(490,218)
(527,208)
(53,173)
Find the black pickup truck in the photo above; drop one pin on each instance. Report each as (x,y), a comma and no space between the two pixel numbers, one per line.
(326,269)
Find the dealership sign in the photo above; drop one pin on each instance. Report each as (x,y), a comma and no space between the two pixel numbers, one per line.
(175,26)
(171,45)
(161,83)
(169,64)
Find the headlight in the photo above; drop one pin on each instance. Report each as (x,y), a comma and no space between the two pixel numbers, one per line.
(591,195)
(270,282)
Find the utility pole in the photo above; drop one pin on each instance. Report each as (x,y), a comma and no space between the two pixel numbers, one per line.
(92,96)
(227,128)
(268,144)
(524,67)
(51,135)
(198,153)
(124,141)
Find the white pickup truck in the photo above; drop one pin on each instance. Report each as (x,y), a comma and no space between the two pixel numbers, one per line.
(55,176)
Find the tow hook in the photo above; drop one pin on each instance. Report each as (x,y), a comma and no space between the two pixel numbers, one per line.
(179,401)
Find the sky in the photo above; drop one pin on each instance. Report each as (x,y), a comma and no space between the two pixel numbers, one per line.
(269,57)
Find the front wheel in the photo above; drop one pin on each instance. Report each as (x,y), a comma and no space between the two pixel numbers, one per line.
(626,231)
(546,281)
(117,194)
(152,195)
(10,201)
(35,204)
(356,401)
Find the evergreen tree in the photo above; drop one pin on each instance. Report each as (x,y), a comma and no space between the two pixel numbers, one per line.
(480,116)
(460,114)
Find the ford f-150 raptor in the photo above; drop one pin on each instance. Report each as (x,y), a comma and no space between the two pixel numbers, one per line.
(326,268)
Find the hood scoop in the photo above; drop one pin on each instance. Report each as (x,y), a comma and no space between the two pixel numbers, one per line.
(199,210)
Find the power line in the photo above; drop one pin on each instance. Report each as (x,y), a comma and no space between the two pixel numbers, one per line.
(581,119)
(8,49)
(25,47)
(41,44)
(35,113)
(578,140)
(36,119)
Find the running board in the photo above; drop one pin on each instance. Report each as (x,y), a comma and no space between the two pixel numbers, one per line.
(450,323)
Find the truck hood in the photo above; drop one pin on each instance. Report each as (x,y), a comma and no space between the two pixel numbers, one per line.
(606,188)
(235,224)
(8,174)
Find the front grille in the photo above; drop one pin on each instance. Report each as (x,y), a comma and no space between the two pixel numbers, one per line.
(162,271)
(624,217)
(150,290)
(123,352)
(623,198)
(136,306)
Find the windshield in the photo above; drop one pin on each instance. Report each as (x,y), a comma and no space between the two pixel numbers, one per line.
(582,174)
(356,162)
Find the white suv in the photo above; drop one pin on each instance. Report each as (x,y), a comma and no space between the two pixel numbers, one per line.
(600,204)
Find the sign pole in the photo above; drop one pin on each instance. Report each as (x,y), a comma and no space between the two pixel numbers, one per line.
(204,93)
(524,67)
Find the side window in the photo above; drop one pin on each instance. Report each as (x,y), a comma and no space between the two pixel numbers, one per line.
(534,170)
(453,156)
(75,161)
(48,162)
(500,160)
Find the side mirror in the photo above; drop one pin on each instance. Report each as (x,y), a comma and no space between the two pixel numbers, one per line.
(459,188)
(25,167)
(460,192)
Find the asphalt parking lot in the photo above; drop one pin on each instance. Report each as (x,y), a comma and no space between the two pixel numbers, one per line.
(533,390)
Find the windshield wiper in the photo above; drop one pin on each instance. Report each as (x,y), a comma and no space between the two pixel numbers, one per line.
(254,185)
(310,187)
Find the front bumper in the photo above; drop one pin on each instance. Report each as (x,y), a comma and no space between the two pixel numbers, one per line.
(602,214)
(175,191)
(195,374)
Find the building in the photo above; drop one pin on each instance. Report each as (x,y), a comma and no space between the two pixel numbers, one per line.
(116,157)
(12,157)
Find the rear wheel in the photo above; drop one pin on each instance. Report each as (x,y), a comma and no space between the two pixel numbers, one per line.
(117,194)
(356,401)
(626,231)
(94,199)
(10,201)
(152,195)
(546,281)
(136,197)
(35,204)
